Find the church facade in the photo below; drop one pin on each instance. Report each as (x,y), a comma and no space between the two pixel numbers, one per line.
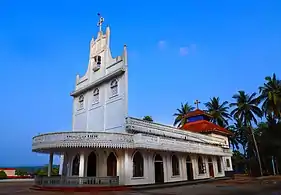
(106,145)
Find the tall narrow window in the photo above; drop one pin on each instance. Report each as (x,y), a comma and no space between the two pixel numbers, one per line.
(201,165)
(96,63)
(96,94)
(81,102)
(175,165)
(114,87)
(219,164)
(138,165)
(227,163)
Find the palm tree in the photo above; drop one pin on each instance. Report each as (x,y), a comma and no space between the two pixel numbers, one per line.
(233,140)
(147,118)
(270,95)
(181,119)
(246,109)
(242,134)
(218,111)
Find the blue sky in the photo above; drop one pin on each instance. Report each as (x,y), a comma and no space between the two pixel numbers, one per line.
(178,51)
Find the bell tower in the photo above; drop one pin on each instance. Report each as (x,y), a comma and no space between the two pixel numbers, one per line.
(101,95)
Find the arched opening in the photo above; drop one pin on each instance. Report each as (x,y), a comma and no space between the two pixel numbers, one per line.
(137,165)
(189,169)
(175,165)
(96,94)
(81,102)
(111,165)
(92,165)
(211,168)
(219,164)
(158,169)
(114,87)
(201,165)
(75,165)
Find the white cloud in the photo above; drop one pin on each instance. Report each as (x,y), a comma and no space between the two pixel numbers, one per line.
(183,51)
(162,44)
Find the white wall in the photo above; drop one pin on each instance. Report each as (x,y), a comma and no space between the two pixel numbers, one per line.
(125,165)
(110,112)
(225,138)
(227,168)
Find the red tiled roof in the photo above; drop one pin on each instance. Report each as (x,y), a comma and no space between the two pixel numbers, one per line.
(203,126)
(7,169)
(197,112)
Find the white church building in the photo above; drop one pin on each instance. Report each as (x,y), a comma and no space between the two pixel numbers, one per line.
(108,147)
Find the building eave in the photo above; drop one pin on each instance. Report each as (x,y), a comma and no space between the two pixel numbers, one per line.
(90,86)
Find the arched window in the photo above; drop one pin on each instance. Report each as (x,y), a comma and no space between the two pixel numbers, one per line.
(219,164)
(111,165)
(75,165)
(175,165)
(201,165)
(158,158)
(114,87)
(138,165)
(188,159)
(81,102)
(96,94)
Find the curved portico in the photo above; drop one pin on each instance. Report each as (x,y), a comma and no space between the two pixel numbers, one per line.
(85,154)
(111,157)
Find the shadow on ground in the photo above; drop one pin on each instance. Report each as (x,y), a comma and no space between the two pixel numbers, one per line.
(238,186)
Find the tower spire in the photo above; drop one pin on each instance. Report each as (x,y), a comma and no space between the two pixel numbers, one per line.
(101,20)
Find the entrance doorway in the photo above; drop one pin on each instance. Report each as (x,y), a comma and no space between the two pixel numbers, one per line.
(111,165)
(189,169)
(75,165)
(211,168)
(159,170)
(92,165)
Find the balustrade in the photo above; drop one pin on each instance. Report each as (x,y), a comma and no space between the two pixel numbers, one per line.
(44,181)
(81,139)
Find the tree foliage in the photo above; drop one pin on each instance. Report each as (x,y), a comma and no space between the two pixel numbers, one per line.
(255,121)
(271,96)
(180,115)
(21,172)
(218,111)
(44,171)
(147,118)
(3,175)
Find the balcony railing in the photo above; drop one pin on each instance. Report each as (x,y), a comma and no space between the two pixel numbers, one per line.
(45,181)
(45,142)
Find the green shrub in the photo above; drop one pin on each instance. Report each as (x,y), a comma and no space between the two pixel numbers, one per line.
(3,175)
(21,172)
(41,172)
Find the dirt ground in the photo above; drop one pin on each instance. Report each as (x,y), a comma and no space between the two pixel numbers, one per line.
(241,185)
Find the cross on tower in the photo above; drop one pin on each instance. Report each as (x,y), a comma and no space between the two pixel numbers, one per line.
(101,20)
(197,103)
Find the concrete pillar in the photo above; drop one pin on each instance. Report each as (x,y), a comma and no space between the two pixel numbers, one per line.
(127,168)
(230,159)
(50,167)
(61,164)
(82,165)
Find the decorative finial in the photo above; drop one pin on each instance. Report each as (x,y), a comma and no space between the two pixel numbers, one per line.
(101,20)
(197,103)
